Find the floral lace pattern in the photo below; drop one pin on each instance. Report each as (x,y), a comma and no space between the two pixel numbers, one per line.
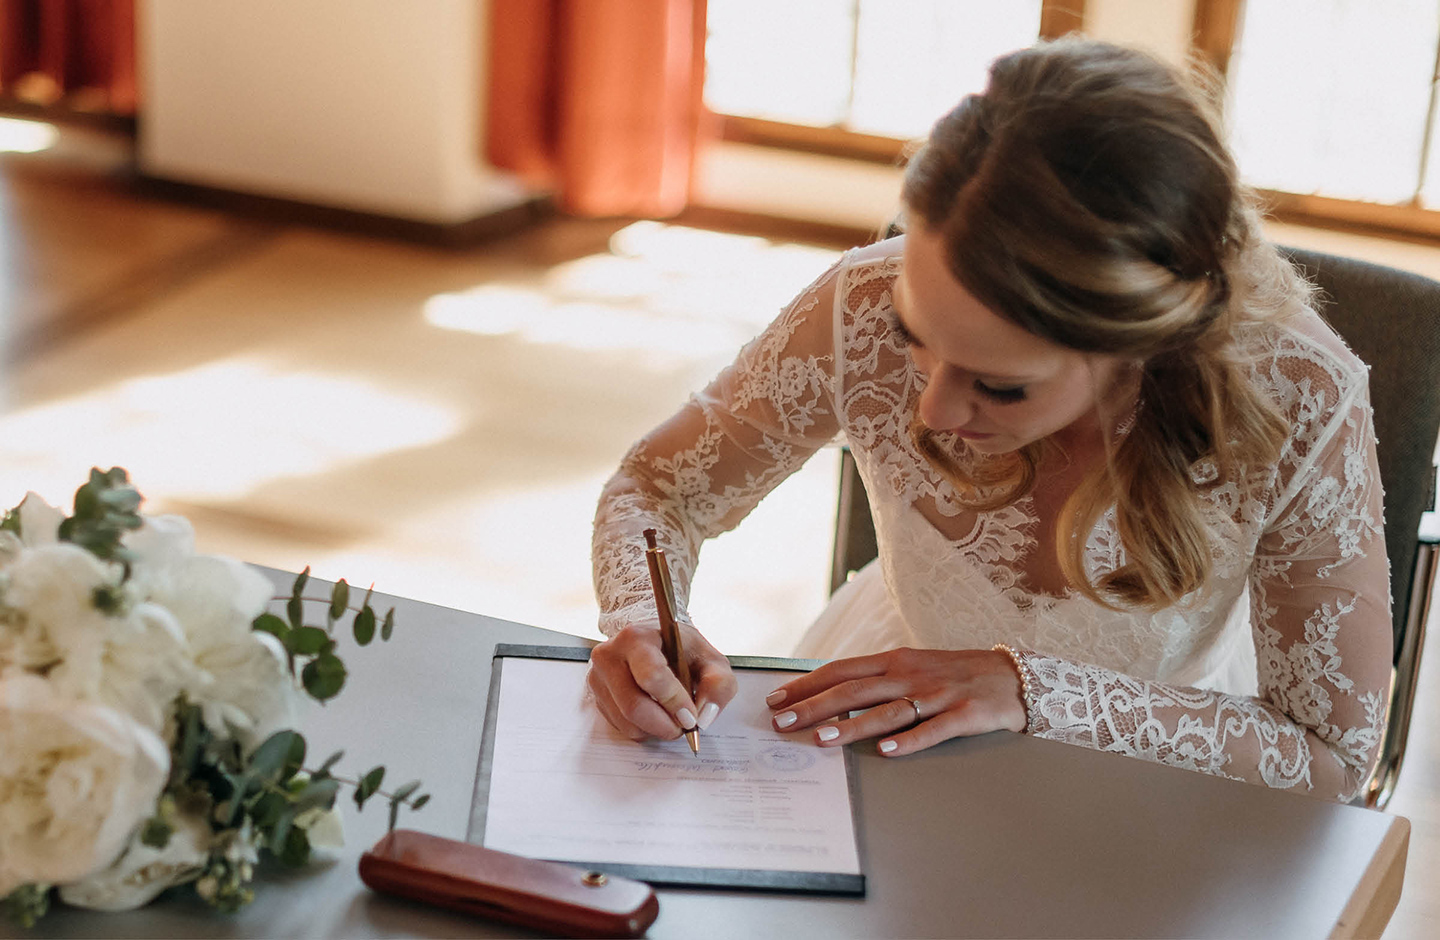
(1300,576)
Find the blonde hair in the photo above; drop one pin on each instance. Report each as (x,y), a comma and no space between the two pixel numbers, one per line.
(1086,196)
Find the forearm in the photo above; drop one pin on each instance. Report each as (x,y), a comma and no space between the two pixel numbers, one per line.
(622,580)
(1216,733)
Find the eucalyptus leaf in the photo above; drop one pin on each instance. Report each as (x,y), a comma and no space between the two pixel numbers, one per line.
(273,625)
(268,809)
(310,641)
(270,757)
(301,580)
(394,814)
(295,610)
(317,794)
(281,832)
(296,853)
(405,790)
(323,677)
(388,627)
(420,801)
(324,770)
(339,599)
(365,626)
(368,785)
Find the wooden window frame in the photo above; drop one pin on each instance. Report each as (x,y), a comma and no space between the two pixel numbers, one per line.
(1216,28)
(1057,17)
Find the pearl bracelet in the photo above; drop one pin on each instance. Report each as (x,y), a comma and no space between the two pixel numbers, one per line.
(1023,670)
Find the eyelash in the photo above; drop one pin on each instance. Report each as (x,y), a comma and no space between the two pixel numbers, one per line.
(1001,396)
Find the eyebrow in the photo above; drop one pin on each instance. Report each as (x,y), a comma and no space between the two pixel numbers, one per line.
(909,336)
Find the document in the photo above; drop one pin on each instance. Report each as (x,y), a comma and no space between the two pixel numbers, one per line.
(565,785)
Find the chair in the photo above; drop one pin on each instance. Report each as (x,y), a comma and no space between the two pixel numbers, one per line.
(1391,319)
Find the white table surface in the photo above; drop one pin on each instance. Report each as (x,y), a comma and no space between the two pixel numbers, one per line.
(1000,835)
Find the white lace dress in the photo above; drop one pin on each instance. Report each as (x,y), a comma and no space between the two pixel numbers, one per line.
(1278,673)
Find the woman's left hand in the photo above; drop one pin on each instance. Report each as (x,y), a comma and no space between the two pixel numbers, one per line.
(928,696)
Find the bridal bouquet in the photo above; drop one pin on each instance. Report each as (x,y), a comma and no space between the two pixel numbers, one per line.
(147,708)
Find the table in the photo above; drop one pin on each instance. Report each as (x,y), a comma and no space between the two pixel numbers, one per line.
(999,835)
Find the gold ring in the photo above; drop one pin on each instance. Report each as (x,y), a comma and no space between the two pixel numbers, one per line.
(915,704)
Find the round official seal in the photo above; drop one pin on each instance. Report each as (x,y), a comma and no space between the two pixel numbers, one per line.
(786,758)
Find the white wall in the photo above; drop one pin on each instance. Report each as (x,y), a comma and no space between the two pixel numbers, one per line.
(371,105)
(824,189)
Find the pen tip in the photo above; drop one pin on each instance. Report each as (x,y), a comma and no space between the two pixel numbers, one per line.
(693,737)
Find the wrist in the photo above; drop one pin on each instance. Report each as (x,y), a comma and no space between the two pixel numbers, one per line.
(1023,685)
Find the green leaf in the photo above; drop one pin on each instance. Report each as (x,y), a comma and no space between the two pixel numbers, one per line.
(406,790)
(317,793)
(193,735)
(365,626)
(273,625)
(272,755)
(324,770)
(323,677)
(156,833)
(296,852)
(394,814)
(389,626)
(420,801)
(339,599)
(105,509)
(295,610)
(281,832)
(268,809)
(301,580)
(368,785)
(310,641)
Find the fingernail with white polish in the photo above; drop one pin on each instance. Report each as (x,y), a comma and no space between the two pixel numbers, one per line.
(887,746)
(828,733)
(708,711)
(775,698)
(784,719)
(686,718)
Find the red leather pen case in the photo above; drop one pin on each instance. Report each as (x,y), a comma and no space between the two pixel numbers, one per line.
(548,896)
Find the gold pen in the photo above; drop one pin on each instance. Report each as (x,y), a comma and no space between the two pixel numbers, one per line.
(669,629)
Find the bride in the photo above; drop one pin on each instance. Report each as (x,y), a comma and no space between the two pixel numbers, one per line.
(1122,475)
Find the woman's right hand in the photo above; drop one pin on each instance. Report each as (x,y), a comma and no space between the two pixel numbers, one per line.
(637,692)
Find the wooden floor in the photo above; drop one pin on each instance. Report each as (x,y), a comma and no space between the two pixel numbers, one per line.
(438,422)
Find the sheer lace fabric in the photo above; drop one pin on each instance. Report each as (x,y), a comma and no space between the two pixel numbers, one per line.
(1276,673)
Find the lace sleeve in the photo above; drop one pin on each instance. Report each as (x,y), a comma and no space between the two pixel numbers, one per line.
(704,469)
(1320,600)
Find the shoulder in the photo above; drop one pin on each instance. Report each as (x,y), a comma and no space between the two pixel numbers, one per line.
(1313,379)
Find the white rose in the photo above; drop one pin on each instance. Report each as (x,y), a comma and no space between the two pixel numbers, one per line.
(130,659)
(241,681)
(142,872)
(76,779)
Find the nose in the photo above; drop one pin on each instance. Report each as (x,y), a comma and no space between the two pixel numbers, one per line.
(945,402)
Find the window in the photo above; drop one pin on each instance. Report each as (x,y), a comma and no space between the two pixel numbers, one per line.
(859,77)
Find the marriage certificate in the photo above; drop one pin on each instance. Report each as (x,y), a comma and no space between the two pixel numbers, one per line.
(755,807)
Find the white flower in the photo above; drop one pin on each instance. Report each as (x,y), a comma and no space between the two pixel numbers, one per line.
(76,779)
(39,521)
(142,872)
(325,830)
(130,659)
(240,680)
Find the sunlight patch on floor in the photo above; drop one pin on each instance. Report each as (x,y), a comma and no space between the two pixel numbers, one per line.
(214,432)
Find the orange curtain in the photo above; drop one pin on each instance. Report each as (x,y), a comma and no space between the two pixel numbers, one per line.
(598,99)
(77,54)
